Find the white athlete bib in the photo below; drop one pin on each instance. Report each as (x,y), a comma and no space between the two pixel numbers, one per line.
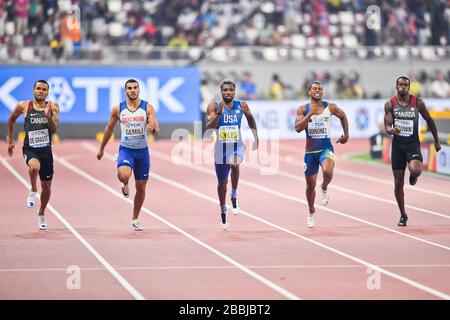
(229,134)
(318,130)
(38,138)
(406,127)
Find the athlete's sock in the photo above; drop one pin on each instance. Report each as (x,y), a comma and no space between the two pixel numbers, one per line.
(223,208)
(233,193)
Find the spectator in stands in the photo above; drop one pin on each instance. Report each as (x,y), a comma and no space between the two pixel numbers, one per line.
(206,98)
(439,87)
(70,31)
(276,89)
(180,42)
(352,89)
(56,47)
(247,87)
(21,15)
(415,86)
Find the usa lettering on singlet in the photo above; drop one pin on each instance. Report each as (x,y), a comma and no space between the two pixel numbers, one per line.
(318,130)
(229,125)
(406,119)
(133,125)
(36,128)
(229,141)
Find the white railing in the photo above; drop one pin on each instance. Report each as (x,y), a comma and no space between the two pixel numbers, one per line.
(176,56)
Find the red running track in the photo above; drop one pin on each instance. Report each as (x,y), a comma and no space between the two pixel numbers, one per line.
(355,251)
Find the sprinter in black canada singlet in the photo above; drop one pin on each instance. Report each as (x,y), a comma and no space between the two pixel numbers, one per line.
(401,119)
(41,120)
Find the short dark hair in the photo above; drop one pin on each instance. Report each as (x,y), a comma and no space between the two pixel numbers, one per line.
(131,81)
(41,81)
(311,84)
(400,78)
(227,81)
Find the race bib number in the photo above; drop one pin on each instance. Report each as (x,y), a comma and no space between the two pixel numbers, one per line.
(38,138)
(405,126)
(317,130)
(229,134)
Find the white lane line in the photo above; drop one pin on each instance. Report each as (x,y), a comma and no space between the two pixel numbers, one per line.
(187,268)
(390,182)
(356,193)
(238,265)
(289,175)
(98,256)
(165,157)
(374,267)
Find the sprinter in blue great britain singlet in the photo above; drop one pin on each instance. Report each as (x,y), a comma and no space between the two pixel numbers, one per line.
(136,117)
(225,118)
(401,119)
(315,119)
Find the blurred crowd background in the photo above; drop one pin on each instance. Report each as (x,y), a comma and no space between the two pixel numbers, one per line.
(275,31)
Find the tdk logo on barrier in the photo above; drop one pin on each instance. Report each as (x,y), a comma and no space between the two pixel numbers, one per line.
(63,92)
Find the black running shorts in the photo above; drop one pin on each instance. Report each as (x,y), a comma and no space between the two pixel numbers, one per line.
(45,157)
(402,153)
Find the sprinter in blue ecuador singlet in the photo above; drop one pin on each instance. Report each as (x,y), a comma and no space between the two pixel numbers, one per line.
(315,119)
(136,116)
(225,118)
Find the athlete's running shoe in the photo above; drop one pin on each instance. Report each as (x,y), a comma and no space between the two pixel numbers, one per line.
(235,205)
(136,225)
(125,191)
(42,223)
(31,200)
(402,222)
(224,220)
(412,180)
(310,221)
(325,197)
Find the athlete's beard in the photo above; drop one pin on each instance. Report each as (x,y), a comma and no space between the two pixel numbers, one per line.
(132,99)
(227,100)
(39,100)
(403,95)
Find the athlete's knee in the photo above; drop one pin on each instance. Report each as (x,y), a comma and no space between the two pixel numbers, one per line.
(417,171)
(123,177)
(398,184)
(310,185)
(327,173)
(34,166)
(46,186)
(222,183)
(140,187)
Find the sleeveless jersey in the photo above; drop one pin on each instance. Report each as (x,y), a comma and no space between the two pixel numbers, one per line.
(318,130)
(229,126)
(37,134)
(407,120)
(133,125)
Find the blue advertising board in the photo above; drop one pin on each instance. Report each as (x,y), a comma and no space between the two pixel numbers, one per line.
(86,94)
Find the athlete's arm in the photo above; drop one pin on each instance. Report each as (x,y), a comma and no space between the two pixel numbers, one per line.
(213,116)
(251,123)
(336,111)
(389,119)
(108,130)
(430,123)
(153,124)
(301,122)
(51,112)
(11,122)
